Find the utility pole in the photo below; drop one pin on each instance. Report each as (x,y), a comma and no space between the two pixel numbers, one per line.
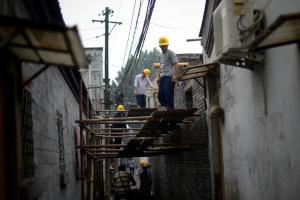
(106,13)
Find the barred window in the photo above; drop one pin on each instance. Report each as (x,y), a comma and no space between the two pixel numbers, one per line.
(27,163)
(62,166)
(77,170)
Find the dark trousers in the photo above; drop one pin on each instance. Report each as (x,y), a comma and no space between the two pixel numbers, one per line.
(166,92)
(131,170)
(141,100)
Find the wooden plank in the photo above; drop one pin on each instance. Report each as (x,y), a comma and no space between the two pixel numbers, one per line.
(116,133)
(89,129)
(140,111)
(197,71)
(104,150)
(116,129)
(192,76)
(111,122)
(119,136)
(103,145)
(93,121)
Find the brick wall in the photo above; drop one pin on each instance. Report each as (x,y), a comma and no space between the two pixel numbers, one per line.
(50,94)
(185,175)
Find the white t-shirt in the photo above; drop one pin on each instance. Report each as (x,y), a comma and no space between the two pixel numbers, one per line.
(140,84)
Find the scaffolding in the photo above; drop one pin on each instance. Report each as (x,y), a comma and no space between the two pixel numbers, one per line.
(97,146)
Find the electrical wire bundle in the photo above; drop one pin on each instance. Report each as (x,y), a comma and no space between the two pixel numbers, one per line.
(246,32)
(128,75)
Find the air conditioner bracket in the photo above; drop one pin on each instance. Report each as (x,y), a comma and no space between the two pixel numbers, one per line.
(241,58)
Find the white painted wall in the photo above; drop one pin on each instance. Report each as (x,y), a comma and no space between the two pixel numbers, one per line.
(261,127)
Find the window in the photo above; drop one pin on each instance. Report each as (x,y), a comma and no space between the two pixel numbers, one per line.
(62,166)
(76,155)
(27,163)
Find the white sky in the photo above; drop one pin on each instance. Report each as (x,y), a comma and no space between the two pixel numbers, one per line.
(178,20)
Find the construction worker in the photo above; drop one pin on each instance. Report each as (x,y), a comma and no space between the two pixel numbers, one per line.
(122,182)
(145,182)
(140,83)
(167,76)
(120,113)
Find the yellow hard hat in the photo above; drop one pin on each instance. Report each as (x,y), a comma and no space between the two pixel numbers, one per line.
(120,108)
(163,41)
(147,72)
(144,163)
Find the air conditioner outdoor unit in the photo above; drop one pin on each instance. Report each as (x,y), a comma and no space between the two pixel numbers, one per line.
(228,45)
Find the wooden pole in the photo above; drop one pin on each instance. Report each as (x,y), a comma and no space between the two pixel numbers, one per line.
(89,129)
(119,136)
(104,145)
(92,121)
(81,146)
(104,150)
(116,119)
(115,129)
(118,133)
(88,160)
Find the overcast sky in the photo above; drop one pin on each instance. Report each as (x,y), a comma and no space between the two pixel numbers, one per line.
(178,20)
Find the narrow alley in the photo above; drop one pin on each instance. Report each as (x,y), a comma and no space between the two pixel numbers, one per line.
(91,113)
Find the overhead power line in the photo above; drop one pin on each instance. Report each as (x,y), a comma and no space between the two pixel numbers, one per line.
(95,37)
(135,58)
(92,28)
(175,28)
(135,28)
(129,32)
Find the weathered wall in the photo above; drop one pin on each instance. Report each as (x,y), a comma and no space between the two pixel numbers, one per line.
(261,128)
(50,94)
(93,76)
(260,131)
(185,175)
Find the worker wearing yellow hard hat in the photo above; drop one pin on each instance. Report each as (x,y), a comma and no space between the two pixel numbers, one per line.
(163,41)
(141,81)
(143,162)
(146,72)
(167,74)
(145,181)
(120,108)
(116,126)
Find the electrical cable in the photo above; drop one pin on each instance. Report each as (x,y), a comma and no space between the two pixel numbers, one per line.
(141,40)
(129,32)
(135,58)
(169,27)
(134,32)
(95,37)
(88,29)
(246,32)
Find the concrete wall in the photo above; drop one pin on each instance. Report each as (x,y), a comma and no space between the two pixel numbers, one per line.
(260,130)
(186,175)
(93,76)
(50,94)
